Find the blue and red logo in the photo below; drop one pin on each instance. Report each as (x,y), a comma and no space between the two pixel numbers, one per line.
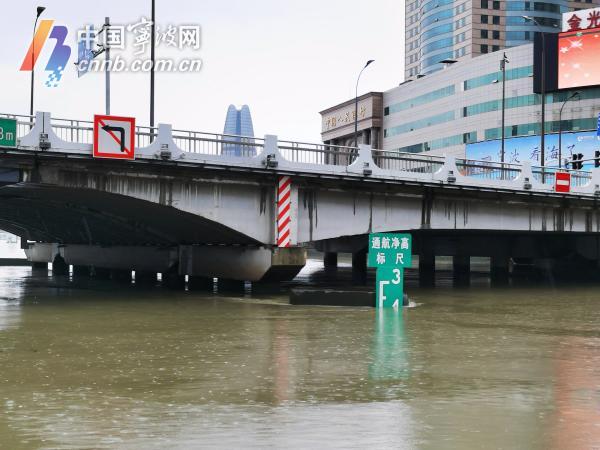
(59,57)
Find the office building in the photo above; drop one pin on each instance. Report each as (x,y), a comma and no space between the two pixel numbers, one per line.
(443,112)
(440,32)
(238,127)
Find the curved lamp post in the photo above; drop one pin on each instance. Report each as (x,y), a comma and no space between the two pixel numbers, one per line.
(40,10)
(369,62)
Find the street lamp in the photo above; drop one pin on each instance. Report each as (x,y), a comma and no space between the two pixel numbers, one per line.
(503,63)
(356,103)
(570,97)
(152,54)
(543,135)
(40,10)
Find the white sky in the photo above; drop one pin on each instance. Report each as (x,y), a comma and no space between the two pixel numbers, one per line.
(286,59)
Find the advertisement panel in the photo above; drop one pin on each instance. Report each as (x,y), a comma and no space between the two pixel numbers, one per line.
(525,148)
(578,63)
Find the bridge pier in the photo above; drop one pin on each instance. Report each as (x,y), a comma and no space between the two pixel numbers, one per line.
(81,271)
(59,266)
(359,267)
(145,277)
(121,275)
(201,283)
(461,270)
(101,273)
(330,260)
(39,268)
(427,268)
(499,269)
(173,280)
(232,286)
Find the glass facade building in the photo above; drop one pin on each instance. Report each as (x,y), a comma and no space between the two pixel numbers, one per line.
(238,123)
(439,32)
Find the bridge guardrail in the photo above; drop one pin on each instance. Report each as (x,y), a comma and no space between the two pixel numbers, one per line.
(302,152)
(488,170)
(407,162)
(76,136)
(218,144)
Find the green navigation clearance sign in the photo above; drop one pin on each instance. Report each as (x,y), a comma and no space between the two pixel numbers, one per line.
(8,132)
(390,250)
(390,254)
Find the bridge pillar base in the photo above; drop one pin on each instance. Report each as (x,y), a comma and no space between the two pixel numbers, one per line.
(461,270)
(359,267)
(499,270)
(81,271)
(330,260)
(144,277)
(121,275)
(101,273)
(173,280)
(201,284)
(39,267)
(427,269)
(233,286)
(59,266)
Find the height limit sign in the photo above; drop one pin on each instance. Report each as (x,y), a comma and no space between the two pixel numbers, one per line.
(114,137)
(390,254)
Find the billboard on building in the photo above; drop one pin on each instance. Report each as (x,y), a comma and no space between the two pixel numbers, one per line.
(519,149)
(578,49)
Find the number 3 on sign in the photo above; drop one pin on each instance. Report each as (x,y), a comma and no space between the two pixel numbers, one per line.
(397,279)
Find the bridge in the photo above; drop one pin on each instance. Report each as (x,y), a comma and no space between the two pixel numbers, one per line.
(187,206)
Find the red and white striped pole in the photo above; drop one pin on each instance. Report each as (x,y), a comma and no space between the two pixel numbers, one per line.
(284,211)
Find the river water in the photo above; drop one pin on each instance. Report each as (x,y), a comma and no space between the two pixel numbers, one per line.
(98,364)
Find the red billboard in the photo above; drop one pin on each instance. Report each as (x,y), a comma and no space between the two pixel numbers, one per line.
(578,62)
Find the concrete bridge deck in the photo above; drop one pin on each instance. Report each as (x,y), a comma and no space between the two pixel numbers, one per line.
(182,206)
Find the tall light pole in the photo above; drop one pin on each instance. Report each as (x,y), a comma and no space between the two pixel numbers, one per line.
(503,63)
(543,89)
(356,103)
(40,10)
(152,44)
(570,97)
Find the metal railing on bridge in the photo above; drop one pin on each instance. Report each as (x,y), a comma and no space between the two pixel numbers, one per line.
(213,144)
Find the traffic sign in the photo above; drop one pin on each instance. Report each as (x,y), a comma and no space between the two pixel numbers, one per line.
(390,250)
(114,137)
(8,132)
(563,182)
(390,287)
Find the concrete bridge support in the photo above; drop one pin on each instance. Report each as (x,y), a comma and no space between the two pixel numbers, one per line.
(427,267)
(39,268)
(232,286)
(330,260)
(143,277)
(121,275)
(461,270)
(81,271)
(59,266)
(201,283)
(359,267)
(101,273)
(499,269)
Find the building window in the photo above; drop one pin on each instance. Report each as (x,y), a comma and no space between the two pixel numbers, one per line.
(484,34)
(495,34)
(484,18)
(495,48)
(484,48)
(496,20)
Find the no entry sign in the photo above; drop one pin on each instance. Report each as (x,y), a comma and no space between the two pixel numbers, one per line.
(114,137)
(563,182)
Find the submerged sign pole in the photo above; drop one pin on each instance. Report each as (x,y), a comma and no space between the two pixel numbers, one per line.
(390,254)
